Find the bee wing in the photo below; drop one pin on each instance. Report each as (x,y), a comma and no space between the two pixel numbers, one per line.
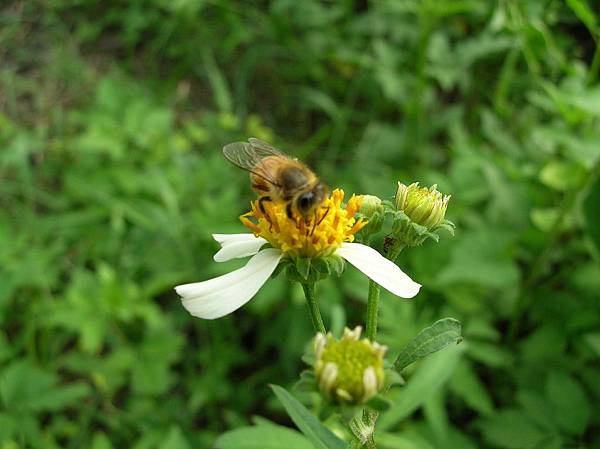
(264,148)
(247,155)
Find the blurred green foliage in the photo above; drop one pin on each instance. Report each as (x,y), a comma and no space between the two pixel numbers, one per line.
(112,116)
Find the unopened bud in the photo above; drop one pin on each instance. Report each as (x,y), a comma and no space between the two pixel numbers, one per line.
(372,211)
(420,212)
(423,205)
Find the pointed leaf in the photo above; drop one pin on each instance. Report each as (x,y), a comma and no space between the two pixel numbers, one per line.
(440,334)
(319,435)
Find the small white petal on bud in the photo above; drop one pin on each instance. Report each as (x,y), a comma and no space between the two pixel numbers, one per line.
(379,350)
(353,334)
(319,344)
(369,383)
(343,394)
(328,376)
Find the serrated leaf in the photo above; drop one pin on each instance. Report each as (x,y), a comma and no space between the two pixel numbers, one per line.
(440,334)
(319,435)
(262,437)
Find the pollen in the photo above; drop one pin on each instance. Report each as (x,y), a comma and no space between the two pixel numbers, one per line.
(316,235)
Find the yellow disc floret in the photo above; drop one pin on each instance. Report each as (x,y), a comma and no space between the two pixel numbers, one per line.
(319,234)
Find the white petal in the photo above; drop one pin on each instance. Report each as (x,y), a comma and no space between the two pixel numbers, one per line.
(383,271)
(222,295)
(234,246)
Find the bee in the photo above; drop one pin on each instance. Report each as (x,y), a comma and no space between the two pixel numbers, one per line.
(275,176)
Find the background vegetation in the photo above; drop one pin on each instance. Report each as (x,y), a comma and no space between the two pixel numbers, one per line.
(112,116)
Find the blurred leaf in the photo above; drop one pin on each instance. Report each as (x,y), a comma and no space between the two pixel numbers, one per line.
(262,437)
(489,353)
(584,13)
(319,435)
(569,402)
(440,334)
(101,441)
(429,377)
(466,384)
(590,211)
(395,441)
(545,218)
(482,258)
(24,387)
(562,176)
(175,440)
(511,429)
(538,409)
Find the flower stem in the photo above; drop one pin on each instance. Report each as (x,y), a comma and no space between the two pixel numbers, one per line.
(313,307)
(372,310)
(392,249)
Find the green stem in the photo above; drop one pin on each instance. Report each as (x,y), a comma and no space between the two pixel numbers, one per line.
(391,251)
(594,66)
(313,307)
(372,310)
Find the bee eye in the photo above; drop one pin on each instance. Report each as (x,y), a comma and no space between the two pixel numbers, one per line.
(305,201)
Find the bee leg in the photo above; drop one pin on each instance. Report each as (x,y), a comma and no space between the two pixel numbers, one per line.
(312,231)
(323,216)
(260,203)
(261,206)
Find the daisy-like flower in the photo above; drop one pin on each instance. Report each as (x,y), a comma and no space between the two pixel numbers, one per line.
(330,232)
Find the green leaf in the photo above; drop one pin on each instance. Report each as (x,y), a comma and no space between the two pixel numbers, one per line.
(175,439)
(262,437)
(440,334)
(319,435)
(25,387)
(431,375)
(569,402)
(466,384)
(590,212)
(562,176)
(379,403)
(511,429)
(584,13)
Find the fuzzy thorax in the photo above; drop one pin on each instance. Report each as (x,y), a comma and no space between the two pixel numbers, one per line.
(319,234)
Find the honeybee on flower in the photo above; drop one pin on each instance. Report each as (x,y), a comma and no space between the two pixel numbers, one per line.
(296,220)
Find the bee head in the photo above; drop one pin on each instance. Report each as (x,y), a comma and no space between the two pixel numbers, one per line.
(306,201)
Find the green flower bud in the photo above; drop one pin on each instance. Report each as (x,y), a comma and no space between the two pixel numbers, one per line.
(370,206)
(424,206)
(420,212)
(372,211)
(348,370)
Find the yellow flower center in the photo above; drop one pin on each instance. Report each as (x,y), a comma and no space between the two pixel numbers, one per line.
(317,235)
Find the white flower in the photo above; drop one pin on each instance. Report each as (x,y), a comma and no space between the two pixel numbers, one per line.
(222,295)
